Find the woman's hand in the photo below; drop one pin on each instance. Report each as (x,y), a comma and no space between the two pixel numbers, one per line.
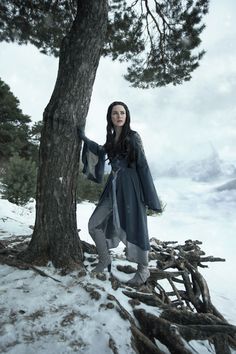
(81,133)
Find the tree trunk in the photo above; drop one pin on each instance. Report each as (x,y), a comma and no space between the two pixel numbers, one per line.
(55,235)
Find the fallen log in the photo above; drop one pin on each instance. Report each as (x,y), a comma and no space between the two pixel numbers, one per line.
(142,344)
(148,299)
(171,334)
(163,330)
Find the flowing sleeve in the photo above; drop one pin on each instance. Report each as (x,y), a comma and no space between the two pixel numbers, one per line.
(151,199)
(93,158)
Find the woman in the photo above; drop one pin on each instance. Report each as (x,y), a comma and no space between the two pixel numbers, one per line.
(121,212)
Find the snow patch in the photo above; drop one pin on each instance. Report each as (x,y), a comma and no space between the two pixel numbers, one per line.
(39,315)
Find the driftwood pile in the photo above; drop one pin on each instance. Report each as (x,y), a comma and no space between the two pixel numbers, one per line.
(187,311)
(183,303)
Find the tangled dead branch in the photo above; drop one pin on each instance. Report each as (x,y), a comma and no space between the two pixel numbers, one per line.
(188,313)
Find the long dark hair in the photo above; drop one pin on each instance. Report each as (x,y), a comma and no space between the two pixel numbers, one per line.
(123,145)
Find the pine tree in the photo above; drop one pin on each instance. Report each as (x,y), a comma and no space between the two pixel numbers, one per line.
(34,140)
(14,125)
(19,180)
(157,38)
(88,190)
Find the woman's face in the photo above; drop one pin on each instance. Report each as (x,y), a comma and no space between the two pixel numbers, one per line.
(118,116)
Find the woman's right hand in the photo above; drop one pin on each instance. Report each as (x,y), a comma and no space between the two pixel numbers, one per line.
(81,133)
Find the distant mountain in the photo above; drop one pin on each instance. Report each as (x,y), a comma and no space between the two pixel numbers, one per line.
(204,170)
(227,186)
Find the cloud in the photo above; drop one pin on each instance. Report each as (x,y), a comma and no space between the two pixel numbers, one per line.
(30,75)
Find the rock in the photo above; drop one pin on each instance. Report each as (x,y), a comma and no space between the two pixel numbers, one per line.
(227,186)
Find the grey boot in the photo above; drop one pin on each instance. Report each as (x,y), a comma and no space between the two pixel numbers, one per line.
(140,277)
(103,253)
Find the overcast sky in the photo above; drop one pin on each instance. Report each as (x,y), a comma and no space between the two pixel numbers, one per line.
(183,122)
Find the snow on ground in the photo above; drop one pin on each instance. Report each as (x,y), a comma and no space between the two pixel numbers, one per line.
(40,315)
(16,220)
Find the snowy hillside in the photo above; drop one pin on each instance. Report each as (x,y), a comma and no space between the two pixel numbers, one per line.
(40,315)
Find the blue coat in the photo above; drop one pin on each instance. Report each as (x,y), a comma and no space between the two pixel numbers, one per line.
(130,187)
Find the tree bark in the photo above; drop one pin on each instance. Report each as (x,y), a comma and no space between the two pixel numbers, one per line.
(55,235)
